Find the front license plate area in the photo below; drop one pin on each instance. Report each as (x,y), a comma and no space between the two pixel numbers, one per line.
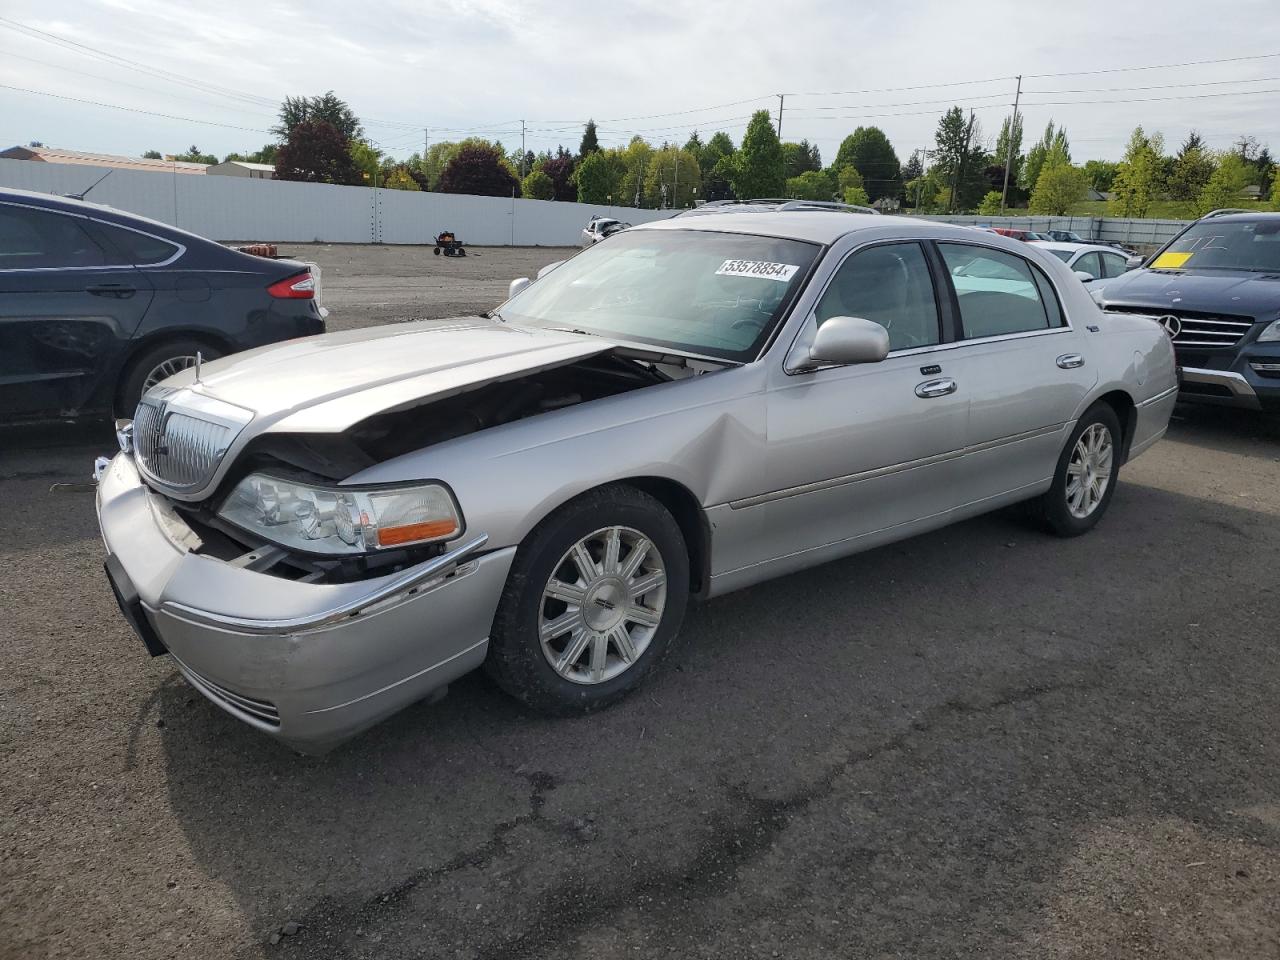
(131,607)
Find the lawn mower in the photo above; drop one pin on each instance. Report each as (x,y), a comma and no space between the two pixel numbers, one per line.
(450,244)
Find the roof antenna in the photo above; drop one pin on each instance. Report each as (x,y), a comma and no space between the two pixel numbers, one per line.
(85,192)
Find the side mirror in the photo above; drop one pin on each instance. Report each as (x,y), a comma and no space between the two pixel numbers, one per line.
(849,340)
(548,268)
(1134,262)
(1084,277)
(517,285)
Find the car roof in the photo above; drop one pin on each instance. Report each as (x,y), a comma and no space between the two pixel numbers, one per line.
(1242,217)
(812,226)
(1073,247)
(86,208)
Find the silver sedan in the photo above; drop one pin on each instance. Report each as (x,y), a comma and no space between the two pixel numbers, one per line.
(324,531)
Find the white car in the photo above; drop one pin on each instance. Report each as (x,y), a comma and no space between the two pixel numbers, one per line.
(1090,261)
(598,228)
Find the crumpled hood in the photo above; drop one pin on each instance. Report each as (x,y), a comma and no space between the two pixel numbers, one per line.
(1215,291)
(332,381)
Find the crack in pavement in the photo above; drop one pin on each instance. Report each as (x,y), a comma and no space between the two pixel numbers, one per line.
(577,904)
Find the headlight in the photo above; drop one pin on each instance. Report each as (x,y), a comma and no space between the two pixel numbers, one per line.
(338,520)
(1272,332)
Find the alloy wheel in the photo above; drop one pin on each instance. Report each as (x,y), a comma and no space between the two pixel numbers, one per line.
(166,369)
(1089,470)
(602,605)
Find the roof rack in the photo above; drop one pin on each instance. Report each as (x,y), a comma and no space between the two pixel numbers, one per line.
(1225,211)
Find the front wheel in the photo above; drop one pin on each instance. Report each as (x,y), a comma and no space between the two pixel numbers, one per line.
(594,601)
(155,364)
(1086,475)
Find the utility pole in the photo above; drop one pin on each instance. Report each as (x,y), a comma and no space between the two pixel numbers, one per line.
(781,100)
(1008,160)
(521,149)
(676,187)
(964,155)
(426,143)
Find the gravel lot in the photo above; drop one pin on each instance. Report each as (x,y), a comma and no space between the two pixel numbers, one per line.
(982,742)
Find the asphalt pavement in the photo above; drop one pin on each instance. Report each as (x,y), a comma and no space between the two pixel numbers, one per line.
(982,742)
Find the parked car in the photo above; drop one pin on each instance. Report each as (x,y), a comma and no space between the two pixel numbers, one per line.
(322,532)
(598,228)
(1017,233)
(97,306)
(1065,236)
(1089,261)
(774,205)
(1215,288)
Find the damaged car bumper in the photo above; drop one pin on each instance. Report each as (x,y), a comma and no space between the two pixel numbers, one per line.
(310,664)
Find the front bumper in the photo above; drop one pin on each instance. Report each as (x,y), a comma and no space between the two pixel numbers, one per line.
(1256,388)
(309,664)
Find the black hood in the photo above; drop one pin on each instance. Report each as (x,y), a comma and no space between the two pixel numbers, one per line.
(1211,291)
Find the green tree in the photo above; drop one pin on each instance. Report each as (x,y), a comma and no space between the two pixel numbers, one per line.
(757,167)
(716,161)
(1053,146)
(193,155)
(590,142)
(316,152)
(811,185)
(635,164)
(1137,177)
(869,150)
(959,160)
(1223,188)
(667,187)
(1191,169)
(1009,148)
(1265,168)
(152,155)
(694,145)
(327,108)
(1061,185)
(990,205)
(437,158)
(538,186)
(399,178)
(798,158)
(368,160)
(1101,174)
(599,177)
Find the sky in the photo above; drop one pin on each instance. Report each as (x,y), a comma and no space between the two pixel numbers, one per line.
(217,71)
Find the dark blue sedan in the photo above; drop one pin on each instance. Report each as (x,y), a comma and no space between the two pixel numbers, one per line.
(97,305)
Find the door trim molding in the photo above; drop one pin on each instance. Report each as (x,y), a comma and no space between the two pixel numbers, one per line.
(889,470)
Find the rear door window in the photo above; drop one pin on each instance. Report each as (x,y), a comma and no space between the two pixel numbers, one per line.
(39,239)
(1113,264)
(997,292)
(1089,264)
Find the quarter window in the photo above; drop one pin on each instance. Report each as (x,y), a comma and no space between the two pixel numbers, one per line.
(998,293)
(1088,264)
(891,286)
(139,249)
(34,239)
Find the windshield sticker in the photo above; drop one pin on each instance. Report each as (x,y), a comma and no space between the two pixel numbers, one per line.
(758,268)
(1170,260)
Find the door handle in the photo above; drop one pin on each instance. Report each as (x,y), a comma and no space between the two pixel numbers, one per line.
(1069,361)
(119,291)
(936,388)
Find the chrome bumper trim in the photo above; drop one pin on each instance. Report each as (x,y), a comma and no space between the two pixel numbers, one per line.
(1159,396)
(407,582)
(1240,387)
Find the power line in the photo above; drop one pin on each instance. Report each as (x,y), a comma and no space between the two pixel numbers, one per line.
(1156,66)
(116,106)
(1159,86)
(1183,96)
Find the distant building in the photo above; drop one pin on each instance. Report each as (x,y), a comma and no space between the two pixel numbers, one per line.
(243,168)
(55,155)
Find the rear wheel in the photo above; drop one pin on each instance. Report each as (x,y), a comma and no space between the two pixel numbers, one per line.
(594,601)
(1086,475)
(157,363)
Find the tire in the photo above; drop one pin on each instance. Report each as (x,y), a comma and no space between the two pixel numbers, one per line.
(1059,510)
(461,252)
(518,659)
(179,354)
(436,251)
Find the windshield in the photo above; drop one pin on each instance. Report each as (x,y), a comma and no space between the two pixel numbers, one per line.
(1234,245)
(716,294)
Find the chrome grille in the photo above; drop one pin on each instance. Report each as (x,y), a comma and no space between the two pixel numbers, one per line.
(176,447)
(1200,329)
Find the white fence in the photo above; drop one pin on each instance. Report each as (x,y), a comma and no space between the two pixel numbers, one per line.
(1144,234)
(236,208)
